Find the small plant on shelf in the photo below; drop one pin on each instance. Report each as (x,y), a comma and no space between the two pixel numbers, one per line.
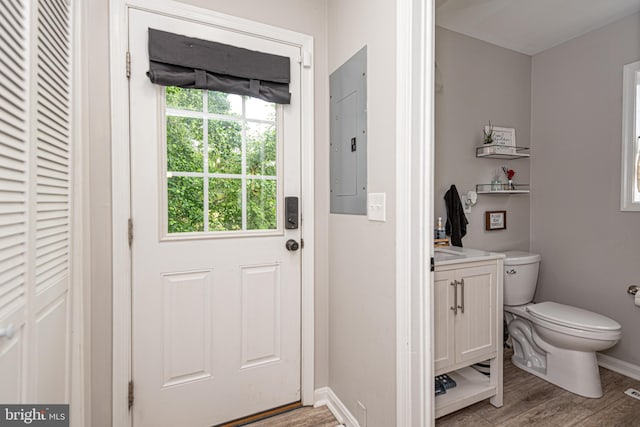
(488,133)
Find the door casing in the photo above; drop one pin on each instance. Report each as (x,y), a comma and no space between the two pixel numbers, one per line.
(121,188)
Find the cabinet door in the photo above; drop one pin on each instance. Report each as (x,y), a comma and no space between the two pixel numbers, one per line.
(475,328)
(443,341)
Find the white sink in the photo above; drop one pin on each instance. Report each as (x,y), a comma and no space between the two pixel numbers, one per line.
(455,255)
(445,254)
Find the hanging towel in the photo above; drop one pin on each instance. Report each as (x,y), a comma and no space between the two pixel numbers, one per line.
(456,221)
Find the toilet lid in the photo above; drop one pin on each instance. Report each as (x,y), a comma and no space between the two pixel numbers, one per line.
(520,257)
(572,316)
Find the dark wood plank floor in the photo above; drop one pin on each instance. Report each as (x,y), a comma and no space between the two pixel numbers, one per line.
(530,401)
(303,417)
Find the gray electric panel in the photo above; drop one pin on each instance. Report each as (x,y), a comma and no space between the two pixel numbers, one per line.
(348,110)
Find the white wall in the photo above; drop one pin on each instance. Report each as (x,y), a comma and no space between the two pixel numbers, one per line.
(481,82)
(305,16)
(361,253)
(590,250)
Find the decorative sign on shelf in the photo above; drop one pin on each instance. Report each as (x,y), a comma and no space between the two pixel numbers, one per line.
(503,138)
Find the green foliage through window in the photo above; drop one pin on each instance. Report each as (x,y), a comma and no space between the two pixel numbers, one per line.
(239,150)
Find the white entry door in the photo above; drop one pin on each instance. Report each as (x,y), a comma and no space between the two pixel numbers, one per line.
(216,294)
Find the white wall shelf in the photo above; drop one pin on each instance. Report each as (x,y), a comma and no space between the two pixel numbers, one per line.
(502,189)
(493,151)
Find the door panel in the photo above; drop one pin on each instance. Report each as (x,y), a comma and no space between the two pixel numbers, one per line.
(261,322)
(187,307)
(216,296)
(50,349)
(11,365)
(475,328)
(443,316)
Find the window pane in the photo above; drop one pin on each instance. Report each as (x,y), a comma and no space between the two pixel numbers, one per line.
(185,202)
(261,204)
(184,144)
(224,103)
(184,99)
(225,204)
(261,149)
(260,110)
(225,146)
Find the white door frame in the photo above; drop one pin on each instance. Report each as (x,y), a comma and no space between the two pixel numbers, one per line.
(414,212)
(121,189)
(80,260)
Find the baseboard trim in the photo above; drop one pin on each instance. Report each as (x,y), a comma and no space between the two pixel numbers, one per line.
(620,366)
(326,397)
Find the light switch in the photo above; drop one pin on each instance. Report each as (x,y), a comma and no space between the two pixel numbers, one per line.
(377,207)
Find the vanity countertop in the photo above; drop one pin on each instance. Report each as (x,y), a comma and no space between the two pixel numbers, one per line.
(457,255)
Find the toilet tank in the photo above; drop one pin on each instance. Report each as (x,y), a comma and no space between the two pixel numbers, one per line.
(520,277)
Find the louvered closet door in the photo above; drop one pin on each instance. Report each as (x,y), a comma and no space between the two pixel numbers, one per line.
(50,215)
(35,135)
(13,197)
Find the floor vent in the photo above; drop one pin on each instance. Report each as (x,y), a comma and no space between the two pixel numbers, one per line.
(633,393)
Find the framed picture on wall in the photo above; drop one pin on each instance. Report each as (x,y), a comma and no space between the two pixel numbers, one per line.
(495,220)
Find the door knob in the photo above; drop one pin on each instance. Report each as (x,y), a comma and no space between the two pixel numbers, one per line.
(292,245)
(7,332)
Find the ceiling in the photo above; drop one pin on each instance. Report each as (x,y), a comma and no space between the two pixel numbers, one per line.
(530,26)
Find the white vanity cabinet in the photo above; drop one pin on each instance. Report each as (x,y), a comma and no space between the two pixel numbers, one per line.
(467,302)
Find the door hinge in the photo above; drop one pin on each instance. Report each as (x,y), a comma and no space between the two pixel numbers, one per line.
(130,231)
(128,64)
(301,243)
(130,394)
(433,264)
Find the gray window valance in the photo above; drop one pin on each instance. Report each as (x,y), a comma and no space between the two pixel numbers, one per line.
(176,60)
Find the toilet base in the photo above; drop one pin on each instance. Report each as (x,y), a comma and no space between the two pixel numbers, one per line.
(574,371)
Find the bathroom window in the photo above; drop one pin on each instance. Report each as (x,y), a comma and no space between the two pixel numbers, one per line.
(630,196)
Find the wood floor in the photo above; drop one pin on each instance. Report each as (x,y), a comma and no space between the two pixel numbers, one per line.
(303,417)
(530,401)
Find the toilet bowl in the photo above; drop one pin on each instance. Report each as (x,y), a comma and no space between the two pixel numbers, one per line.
(556,342)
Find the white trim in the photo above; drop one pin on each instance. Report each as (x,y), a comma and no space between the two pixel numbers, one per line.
(403,214)
(307,216)
(121,186)
(620,366)
(629,132)
(414,207)
(120,211)
(326,397)
(78,399)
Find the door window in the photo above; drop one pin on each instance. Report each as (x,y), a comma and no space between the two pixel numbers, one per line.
(221,162)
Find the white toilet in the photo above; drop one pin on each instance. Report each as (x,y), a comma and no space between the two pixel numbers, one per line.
(553,341)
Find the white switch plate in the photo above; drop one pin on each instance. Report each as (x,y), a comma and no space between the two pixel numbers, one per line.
(377,207)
